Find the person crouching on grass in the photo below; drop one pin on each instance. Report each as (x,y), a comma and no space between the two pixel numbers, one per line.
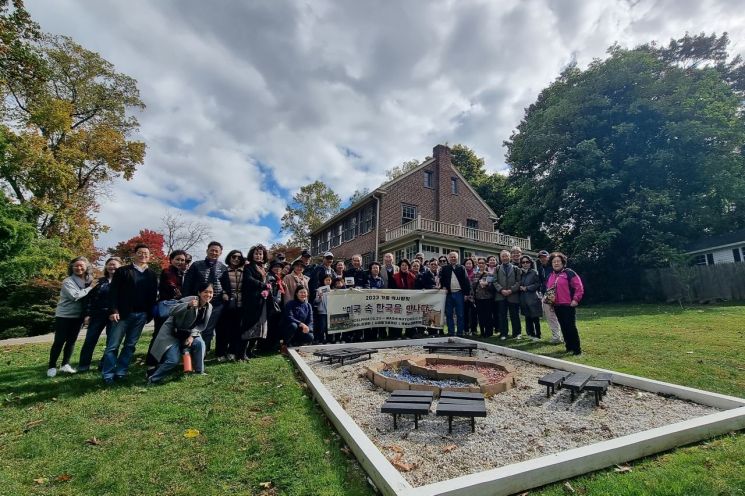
(183,329)
(298,320)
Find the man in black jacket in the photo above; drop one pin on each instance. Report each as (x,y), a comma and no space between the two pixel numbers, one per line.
(453,278)
(208,270)
(133,293)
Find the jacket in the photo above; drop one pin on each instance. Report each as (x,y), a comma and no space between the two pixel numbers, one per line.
(169,287)
(530,302)
(564,293)
(291,285)
(204,271)
(426,280)
(98,300)
(483,292)
(124,294)
(403,280)
(384,274)
(182,317)
(297,312)
(504,280)
(446,274)
(360,276)
(253,303)
(71,303)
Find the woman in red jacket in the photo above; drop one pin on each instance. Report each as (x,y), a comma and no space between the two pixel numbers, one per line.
(568,292)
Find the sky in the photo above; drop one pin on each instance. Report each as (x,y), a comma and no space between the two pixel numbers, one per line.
(247,101)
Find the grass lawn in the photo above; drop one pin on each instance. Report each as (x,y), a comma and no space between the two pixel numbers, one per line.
(258,425)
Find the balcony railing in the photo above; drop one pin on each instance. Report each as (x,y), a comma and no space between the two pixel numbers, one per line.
(457,231)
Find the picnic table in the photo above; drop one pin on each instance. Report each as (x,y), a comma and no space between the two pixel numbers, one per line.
(433,347)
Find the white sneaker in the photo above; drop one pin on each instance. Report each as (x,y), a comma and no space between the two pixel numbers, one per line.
(231,357)
(51,372)
(535,338)
(503,338)
(67,369)
(519,336)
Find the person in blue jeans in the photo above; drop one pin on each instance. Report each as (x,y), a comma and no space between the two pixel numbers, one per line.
(134,291)
(454,280)
(182,333)
(97,314)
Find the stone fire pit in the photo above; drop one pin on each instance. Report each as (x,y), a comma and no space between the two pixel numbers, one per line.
(477,375)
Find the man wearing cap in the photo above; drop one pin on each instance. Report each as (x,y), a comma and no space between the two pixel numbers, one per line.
(320,271)
(309,267)
(544,271)
(420,256)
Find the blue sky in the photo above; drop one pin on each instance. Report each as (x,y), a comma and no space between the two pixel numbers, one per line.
(248,101)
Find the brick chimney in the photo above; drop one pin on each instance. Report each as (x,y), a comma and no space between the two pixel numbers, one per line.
(443,165)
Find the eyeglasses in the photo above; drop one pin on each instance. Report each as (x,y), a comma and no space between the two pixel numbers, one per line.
(525,262)
(235,256)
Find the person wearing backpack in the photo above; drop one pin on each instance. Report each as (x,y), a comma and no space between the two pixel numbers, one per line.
(567,294)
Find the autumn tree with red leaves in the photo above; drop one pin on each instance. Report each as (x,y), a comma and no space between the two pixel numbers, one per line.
(153,240)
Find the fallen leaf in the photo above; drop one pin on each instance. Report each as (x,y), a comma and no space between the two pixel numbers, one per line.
(63,478)
(32,424)
(569,487)
(41,480)
(191,433)
(346,450)
(403,466)
(393,447)
(265,485)
(622,468)
(449,448)
(93,441)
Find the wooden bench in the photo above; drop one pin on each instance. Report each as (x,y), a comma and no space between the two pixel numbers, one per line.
(434,347)
(455,404)
(576,383)
(344,354)
(397,408)
(553,381)
(461,408)
(598,387)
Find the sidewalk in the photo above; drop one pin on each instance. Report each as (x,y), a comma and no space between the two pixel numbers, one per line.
(48,338)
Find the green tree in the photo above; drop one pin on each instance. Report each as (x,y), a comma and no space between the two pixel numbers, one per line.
(402,169)
(67,128)
(493,188)
(622,164)
(23,253)
(310,207)
(357,195)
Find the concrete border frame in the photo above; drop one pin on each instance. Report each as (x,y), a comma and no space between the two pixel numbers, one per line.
(543,470)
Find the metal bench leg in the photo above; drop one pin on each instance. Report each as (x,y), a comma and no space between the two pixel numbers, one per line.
(416,421)
(548,391)
(597,398)
(450,424)
(473,424)
(572,391)
(395,424)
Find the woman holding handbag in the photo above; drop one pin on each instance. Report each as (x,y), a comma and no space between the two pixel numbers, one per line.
(530,302)
(565,291)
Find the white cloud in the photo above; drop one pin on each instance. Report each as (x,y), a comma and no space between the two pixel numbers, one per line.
(243,97)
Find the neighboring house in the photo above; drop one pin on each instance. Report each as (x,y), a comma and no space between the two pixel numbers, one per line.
(431,209)
(723,248)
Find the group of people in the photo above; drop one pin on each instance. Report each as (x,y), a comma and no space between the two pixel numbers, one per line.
(249,302)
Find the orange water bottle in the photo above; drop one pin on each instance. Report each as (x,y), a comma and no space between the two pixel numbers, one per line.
(187,361)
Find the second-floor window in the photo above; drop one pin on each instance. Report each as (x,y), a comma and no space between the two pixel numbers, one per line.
(454,185)
(408,213)
(472,223)
(367,220)
(350,228)
(428,179)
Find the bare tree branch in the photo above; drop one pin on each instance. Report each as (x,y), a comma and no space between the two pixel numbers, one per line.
(181,234)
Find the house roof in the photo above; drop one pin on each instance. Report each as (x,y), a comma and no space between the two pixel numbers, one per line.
(383,189)
(720,240)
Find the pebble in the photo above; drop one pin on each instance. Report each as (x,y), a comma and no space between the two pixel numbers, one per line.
(521,423)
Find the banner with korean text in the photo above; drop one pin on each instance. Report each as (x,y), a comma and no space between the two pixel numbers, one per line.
(350,309)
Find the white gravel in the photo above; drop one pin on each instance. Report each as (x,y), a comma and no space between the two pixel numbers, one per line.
(521,423)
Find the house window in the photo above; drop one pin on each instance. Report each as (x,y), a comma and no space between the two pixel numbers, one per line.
(428,179)
(336,235)
(408,252)
(367,259)
(454,185)
(349,228)
(472,224)
(408,213)
(367,220)
(710,258)
(736,254)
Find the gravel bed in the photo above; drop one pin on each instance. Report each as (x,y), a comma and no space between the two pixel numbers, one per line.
(521,423)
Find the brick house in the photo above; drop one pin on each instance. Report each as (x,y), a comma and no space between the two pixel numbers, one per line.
(431,209)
